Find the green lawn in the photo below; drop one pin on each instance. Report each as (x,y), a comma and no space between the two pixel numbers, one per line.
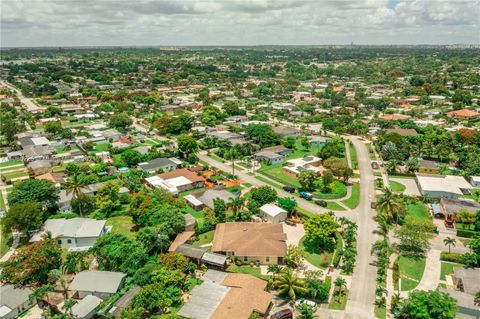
(316,257)
(205,238)
(418,210)
(16,174)
(2,201)
(338,190)
(334,206)
(447,269)
(5,241)
(300,151)
(254,271)
(353,156)
(339,303)
(380,313)
(100,147)
(354,199)
(276,173)
(411,271)
(10,163)
(397,187)
(122,225)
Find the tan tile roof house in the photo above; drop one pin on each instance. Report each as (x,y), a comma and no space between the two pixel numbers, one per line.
(464,114)
(262,243)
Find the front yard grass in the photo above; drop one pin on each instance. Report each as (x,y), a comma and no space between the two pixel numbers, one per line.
(276,173)
(447,269)
(417,210)
(334,206)
(380,313)
(2,201)
(411,271)
(122,225)
(338,190)
(5,241)
(397,187)
(339,303)
(315,256)
(254,271)
(353,156)
(354,198)
(205,238)
(10,163)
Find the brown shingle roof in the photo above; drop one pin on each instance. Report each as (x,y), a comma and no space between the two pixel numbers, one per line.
(394,117)
(463,113)
(181,239)
(246,294)
(250,239)
(191,176)
(402,131)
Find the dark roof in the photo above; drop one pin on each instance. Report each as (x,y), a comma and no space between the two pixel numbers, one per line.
(191,251)
(124,300)
(452,206)
(427,164)
(155,164)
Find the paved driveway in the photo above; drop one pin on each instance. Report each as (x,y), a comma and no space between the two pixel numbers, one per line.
(411,187)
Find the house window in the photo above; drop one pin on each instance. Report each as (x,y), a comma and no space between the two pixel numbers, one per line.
(69,241)
(59,241)
(245,259)
(267,259)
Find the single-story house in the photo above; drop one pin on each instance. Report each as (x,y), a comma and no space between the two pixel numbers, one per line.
(176,181)
(180,239)
(215,261)
(273,214)
(14,300)
(394,117)
(206,198)
(193,253)
(428,167)
(102,284)
(466,285)
(296,166)
(269,157)
(87,307)
(442,186)
(287,131)
(124,301)
(449,208)
(164,164)
(463,114)
(475,181)
(39,167)
(75,234)
(227,295)
(262,243)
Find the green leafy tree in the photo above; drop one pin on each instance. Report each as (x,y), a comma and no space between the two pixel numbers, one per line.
(132,157)
(34,190)
(187,145)
(289,204)
(320,229)
(53,127)
(120,121)
(219,208)
(31,264)
(306,312)
(295,255)
(288,284)
(429,304)
(263,195)
(83,204)
(107,198)
(307,179)
(75,186)
(327,179)
(132,179)
(23,217)
(414,235)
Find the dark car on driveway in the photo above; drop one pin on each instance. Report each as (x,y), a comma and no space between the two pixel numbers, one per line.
(282,314)
(289,188)
(321,203)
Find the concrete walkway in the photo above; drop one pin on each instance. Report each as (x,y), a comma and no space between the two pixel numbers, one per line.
(431,274)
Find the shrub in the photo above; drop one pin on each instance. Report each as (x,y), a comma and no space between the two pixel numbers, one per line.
(452,257)
(396,272)
(467,233)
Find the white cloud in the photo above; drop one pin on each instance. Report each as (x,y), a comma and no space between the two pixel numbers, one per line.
(237,22)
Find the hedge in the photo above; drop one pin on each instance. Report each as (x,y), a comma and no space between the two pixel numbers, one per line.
(467,233)
(452,257)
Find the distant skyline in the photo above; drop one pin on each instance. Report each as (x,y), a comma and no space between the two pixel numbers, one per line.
(39,23)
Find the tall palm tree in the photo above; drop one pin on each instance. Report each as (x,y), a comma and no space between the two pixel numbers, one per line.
(274,269)
(233,155)
(340,283)
(382,227)
(75,187)
(391,205)
(287,283)
(236,204)
(449,241)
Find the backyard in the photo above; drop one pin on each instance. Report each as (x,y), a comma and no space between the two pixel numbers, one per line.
(315,256)
(417,210)
(204,239)
(122,225)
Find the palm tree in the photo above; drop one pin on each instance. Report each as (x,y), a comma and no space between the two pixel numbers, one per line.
(382,227)
(75,187)
(391,205)
(41,293)
(236,204)
(287,283)
(340,283)
(274,269)
(233,155)
(476,300)
(67,306)
(449,241)
(396,303)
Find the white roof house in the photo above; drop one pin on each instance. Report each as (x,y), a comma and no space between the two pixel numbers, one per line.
(14,300)
(172,184)
(74,233)
(442,186)
(87,307)
(273,213)
(99,283)
(42,140)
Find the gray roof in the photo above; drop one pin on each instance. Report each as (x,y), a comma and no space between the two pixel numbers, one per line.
(205,298)
(268,154)
(428,164)
(191,251)
(97,281)
(85,306)
(470,279)
(453,206)
(214,259)
(189,220)
(12,297)
(124,300)
(209,195)
(155,164)
(39,164)
(74,227)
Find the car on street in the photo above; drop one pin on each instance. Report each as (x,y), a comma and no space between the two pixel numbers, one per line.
(375,165)
(321,203)
(282,314)
(310,303)
(306,195)
(289,188)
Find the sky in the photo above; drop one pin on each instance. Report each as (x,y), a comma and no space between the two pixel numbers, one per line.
(33,23)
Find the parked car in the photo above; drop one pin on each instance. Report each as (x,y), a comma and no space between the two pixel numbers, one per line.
(289,188)
(311,304)
(373,205)
(282,314)
(306,195)
(321,203)
(375,165)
